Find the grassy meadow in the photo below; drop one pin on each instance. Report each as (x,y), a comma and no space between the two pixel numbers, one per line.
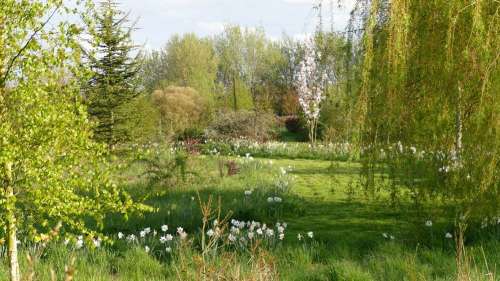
(332,229)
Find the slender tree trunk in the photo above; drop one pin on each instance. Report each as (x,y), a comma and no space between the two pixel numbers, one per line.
(458,125)
(255,115)
(235,101)
(11,225)
(3,65)
(312,131)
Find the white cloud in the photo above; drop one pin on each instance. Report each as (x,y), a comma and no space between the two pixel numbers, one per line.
(159,19)
(210,27)
(345,3)
(302,36)
(300,1)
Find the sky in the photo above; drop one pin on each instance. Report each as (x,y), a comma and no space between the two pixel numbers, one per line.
(158,20)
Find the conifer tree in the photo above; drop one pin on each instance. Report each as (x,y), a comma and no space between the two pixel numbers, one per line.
(115,68)
(52,175)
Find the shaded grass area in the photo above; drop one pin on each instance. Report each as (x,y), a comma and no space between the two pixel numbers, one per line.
(323,197)
(327,199)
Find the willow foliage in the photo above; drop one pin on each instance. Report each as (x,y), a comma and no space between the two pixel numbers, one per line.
(431,82)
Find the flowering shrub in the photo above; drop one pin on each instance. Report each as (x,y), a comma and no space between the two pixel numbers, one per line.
(310,81)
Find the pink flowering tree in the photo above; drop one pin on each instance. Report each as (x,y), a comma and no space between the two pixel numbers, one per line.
(310,82)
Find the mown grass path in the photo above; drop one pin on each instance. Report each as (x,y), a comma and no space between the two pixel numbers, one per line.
(336,209)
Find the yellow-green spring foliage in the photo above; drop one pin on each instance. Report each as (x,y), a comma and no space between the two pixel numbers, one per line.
(431,81)
(58,174)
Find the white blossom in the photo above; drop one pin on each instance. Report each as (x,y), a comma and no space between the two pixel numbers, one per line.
(310,81)
(97,242)
(231,237)
(281,229)
(79,243)
(131,238)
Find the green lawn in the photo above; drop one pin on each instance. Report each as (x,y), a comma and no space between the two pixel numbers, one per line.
(324,197)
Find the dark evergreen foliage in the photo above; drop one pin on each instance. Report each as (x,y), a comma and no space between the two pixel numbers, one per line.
(115,68)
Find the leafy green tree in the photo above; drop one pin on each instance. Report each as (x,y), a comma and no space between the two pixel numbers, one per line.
(283,69)
(51,172)
(153,70)
(337,110)
(229,47)
(115,71)
(254,54)
(191,63)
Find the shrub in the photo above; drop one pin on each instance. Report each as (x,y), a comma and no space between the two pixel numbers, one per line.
(164,167)
(181,108)
(294,124)
(335,124)
(140,124)
(190,134)
(290,103)
(243,124)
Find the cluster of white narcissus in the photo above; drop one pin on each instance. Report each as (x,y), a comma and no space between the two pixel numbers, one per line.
(241,146)
(164,237)
(80,242)
(490,221)
(281,183)
(274,199)
(449,159)
(309,234)
(241,233)
(310,81)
